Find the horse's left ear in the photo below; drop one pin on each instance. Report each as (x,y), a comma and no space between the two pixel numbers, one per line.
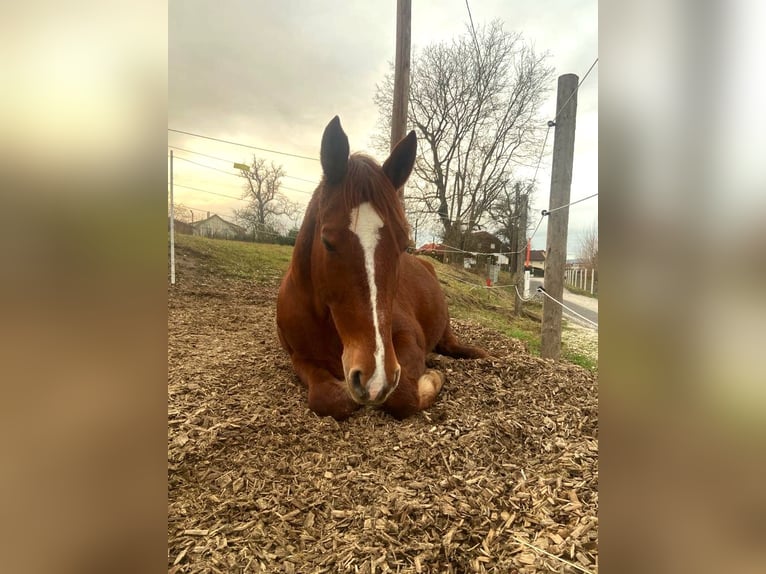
(334,152)
(399,164)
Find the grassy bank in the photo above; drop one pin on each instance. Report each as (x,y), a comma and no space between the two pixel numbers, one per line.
(467,297)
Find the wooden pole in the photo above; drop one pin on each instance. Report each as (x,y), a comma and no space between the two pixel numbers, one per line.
(172,228)
(558,220)
(401,74)
(521,240)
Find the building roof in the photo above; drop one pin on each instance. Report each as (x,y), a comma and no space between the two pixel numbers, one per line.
(433,247)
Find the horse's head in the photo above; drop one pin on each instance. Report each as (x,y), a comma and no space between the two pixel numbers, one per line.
(359,239)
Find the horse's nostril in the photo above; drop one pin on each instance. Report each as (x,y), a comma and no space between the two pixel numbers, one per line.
(356,383)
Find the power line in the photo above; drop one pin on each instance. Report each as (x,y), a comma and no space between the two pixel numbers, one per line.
(576,89)
(241,176)
(542,151)
(547,211)
(180,206)
(296,190)
(208,166)
(208,191)
(237,198)
(242,145)
(544,292)
(518,293)
(230,162)
(200,153)
(473,30)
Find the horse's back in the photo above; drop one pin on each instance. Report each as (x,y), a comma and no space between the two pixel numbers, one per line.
(420,288)
(421,299)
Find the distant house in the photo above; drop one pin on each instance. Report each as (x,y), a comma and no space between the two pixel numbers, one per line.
(485,242)
(435,250)
(537,262)
(215,226)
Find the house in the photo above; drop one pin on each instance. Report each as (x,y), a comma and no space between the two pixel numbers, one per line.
(435,250)
(484,242)
(537,262)
(215,226)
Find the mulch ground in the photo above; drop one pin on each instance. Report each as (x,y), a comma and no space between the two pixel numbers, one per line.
(500,475)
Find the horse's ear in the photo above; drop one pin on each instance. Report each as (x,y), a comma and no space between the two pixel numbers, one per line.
(399,164)
(334,153)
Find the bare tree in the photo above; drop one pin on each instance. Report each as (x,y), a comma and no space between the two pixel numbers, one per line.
(507,217)
(473,103)
(419,217)
(505,212)
(182,213)
(589,247)
(266,204)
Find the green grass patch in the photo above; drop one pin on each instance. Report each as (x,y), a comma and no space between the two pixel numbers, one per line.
(578,291)
(580,359)
(467,297)
(238,259)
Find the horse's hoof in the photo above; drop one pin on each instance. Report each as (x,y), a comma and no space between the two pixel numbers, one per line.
(430,385)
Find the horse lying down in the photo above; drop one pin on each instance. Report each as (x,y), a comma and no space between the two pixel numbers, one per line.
(356,313)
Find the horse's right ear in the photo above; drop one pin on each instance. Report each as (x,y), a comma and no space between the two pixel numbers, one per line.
(334,153)
(399,164)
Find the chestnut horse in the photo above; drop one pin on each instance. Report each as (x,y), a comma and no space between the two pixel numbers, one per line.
(356,313)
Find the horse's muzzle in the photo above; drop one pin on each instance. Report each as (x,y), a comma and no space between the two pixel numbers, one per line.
(371,391)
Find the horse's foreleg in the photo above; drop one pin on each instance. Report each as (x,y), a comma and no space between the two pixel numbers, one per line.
(418,388)
(327,395)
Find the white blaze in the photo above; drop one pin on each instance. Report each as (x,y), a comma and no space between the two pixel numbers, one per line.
(366,225)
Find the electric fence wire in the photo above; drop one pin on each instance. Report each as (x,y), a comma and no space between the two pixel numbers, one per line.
(572,311)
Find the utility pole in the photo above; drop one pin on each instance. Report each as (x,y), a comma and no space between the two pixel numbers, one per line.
(401,74)
(521,241)
(515,229)
(558,219)
(172,228)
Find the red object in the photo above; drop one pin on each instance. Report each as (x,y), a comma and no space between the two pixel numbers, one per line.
(489,282)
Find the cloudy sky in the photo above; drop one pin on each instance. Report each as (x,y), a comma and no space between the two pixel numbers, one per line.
(272,74)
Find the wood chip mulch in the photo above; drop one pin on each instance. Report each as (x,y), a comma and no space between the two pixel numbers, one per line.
(500,475)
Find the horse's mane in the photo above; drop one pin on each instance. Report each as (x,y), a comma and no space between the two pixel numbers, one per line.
(365,181)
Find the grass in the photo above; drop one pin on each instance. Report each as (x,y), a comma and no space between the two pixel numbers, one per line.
(578,291)
(579,359)
(237,259)
(466,296)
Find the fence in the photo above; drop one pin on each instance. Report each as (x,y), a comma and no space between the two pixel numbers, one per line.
(582,278)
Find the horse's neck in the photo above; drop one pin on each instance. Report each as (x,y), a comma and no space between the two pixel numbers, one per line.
(304,242)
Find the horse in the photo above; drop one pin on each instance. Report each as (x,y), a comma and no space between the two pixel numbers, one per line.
(356,313)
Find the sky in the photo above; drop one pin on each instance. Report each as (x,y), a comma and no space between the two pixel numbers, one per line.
(272,74)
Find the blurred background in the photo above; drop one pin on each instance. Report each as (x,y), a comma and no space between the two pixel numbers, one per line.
(683,397)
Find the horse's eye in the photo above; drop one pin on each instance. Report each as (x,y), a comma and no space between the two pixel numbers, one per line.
(327,245)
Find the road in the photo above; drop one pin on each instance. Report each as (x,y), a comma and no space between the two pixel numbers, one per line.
(585,306)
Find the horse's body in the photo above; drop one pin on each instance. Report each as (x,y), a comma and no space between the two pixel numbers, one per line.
(356,313)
